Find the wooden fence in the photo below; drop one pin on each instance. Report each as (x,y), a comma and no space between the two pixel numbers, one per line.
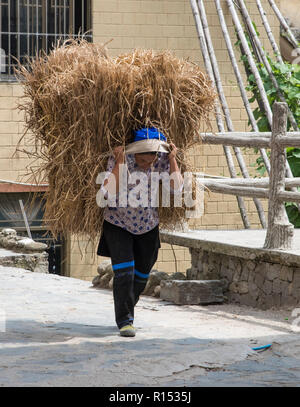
(279,230)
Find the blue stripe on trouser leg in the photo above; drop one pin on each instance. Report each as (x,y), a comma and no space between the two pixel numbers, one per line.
(123,292)
(145,249)
(143,276)
(140,282)
(123,265)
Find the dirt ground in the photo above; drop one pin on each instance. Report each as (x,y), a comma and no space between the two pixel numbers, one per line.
(60,331)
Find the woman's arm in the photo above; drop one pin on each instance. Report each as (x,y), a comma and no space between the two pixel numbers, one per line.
(176,180)
(111,184)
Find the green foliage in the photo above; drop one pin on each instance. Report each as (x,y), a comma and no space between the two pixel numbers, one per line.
(288,79)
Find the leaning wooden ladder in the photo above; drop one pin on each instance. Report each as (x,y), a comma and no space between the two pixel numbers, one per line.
(212,67)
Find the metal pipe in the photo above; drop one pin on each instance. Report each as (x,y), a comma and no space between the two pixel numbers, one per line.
(25,218)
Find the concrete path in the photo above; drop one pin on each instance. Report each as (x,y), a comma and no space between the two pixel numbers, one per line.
(60,331)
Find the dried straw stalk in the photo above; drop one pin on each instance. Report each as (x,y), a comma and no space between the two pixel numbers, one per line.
(79,104)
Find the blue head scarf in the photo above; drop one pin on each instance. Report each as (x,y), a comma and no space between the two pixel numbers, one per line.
(148,133)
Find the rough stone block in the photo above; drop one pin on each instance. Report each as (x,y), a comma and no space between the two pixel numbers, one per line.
(250,265)
(247,299)
(259,280)
(154,279)
(276,286)
(268,287)
(296,280)
(244,274)
(243,287)
(103,267)
(272,271)
(192,291)
(191,273)
(286,273)
(226,272)
(253,290)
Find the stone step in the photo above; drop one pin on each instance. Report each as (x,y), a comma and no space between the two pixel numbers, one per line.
(192,292)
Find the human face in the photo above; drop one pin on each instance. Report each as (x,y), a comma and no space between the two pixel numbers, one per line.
(145,161)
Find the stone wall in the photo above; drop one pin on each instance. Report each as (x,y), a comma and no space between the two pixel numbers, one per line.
(254,283)
(22,252)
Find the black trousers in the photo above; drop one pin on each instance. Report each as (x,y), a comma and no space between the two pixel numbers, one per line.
(132,258)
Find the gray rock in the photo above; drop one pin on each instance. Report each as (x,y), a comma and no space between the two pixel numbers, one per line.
(233,287)
(226,272)
(10,240)
(286,273)
(199,266)
(191,273)
(104,267)
(96,280)
(272,271)
(244,274)
(253,290)
(247,299)
(177,276)
(259,280)
(192,291)
(30,245)
(156,292)
(250,265)
(104,281)
(271,301)
(110,284)
(9,232)
(276,286)
(243,287)
(154,279)
(234,264)
(296,279)
(267,287)
(37,262)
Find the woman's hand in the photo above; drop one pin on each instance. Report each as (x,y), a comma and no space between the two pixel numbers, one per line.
(119,154)
(173,153)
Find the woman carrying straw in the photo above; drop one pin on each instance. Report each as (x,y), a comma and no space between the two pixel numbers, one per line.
(130,233)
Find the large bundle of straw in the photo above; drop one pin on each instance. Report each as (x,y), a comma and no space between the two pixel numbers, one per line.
(80,103)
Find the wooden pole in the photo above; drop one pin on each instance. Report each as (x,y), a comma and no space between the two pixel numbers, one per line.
(219,119)
(248,139)
(265,61)
(240,80)
(251,189)
(237,190)
(269,31)
(285,26)
(242,37)
(230,140)
(252,64)
(252,182)
(280,231)
(224,104)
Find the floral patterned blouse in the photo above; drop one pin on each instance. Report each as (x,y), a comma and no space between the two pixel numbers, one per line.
(143,217)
